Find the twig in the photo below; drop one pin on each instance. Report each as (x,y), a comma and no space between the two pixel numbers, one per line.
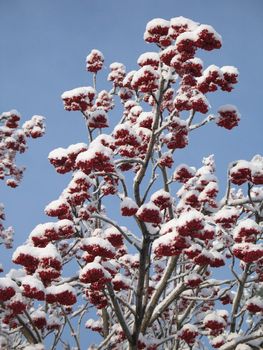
(118,313)
(73,333)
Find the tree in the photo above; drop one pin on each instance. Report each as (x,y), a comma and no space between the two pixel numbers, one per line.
(155,283)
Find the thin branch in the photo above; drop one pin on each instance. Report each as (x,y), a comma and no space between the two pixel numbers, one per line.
(118,313)
(129,160)
(173,295)
(205,121)
(236,302)
(126,304)
(73,333)
(240,340)
(191,117)
(158,292)
(34,327)
(105,341)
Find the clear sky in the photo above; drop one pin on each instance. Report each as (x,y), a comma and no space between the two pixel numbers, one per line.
(43,45)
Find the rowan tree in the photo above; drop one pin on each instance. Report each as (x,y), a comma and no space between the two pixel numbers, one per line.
(159,281)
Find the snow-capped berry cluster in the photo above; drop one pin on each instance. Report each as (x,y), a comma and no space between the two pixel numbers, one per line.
(228,117)
(13,140)
(63,159)
(94,61)
(79,99)
(247,171)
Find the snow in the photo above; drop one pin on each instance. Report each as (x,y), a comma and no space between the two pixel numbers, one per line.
(215,317)
(183,21)
(195,61)
(157,22)
(149,206)
(26,250)
(54,205)
(64,223)
(257,159)
(210,29)
(160,193)
(149,209)
(129,259)
(103,243)
(168,227)
(148,56)
(190,327)
(190,170)
(95,147)
(241,164)
(256,300)
(38,314)
(58,153)
(212,187)
(112,230)
(84,91)
(66,287)
(34,347)
(51,290)
(99,114)
(120,278)
(191,215)
(228,108)
(208,254)
(223,313)
(230,70)
(53,321)
(218,340)
(117,65)
(129,203)
(104,139)
(95,52)
(111,266)
(212,69)
(144,116)
(243,347)
(94,266)
(10,113)
(33,282)
(193,276)
(16,274)
(192,36)
(127,80)
(77,147)
(226,213)
(6,282)
(195,247)
(93,324)
(169,51)
(38,231)
(217,256)
(197,96)
(144,71)
(49,251)
(166,239)
(247,224)
(34,121)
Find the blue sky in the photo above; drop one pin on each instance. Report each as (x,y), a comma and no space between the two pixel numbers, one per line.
(43,45)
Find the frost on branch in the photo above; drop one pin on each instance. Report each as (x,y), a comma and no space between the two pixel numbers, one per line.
(186,269)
